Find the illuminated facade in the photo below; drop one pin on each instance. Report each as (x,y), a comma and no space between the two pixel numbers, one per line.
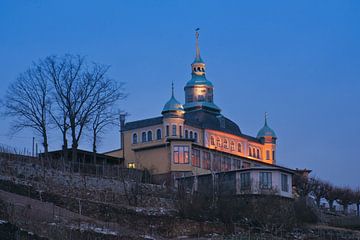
(195,138)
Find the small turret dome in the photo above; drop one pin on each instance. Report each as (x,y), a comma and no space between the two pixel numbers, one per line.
(173,105)
(266,131)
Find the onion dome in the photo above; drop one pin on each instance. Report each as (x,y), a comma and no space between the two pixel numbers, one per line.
(173,105)
(266,131)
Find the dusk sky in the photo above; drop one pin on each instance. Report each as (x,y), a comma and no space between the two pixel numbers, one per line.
(297,60)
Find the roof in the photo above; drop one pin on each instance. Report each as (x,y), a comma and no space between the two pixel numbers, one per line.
(266,131)
(173,105)
(209,120)
(143,123)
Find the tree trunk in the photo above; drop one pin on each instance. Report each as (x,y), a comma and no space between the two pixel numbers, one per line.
(318,202)
(358,209)
(94,146)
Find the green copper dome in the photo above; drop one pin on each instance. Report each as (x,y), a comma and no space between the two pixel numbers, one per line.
(266,131)
(173,105)
(198,80)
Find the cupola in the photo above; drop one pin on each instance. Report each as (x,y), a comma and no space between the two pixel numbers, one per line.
(173,108)
(266,131)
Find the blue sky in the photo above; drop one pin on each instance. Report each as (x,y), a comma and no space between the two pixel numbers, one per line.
(297,60)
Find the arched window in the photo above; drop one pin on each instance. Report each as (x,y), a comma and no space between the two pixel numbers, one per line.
(158,134)
(212,140)
(191,135)
(195,136)
(232,146)
(253,153)
(198,69)
(180,131)
(218,142)
(226,143)
(186,134)
(149,135)
(194,69)
(174,130)
(134,138)
(143,136)
(239,147)
(258,153)
(167,130)
(203,69)
(250,153)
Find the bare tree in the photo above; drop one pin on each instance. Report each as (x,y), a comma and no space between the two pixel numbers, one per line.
(80,90)
(356,200)
(318,190)
(103,115)
(302,185)
(345,198)
(27,102)
(331,194)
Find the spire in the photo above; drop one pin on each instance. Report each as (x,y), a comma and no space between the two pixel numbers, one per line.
(198,58)
(266,117)
(172,89)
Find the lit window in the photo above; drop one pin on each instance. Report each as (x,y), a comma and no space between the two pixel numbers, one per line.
(232,146)
(158,134)
(131,165)
(239,147)
(195,158)
(149,135)
(143,136)
(134,138)
(195,137)
(212,140)
(258,153)
(253,153)
(284,183)
(245,181)
(218,142)
(265,180)
(206,164)
(273,155)
(267,155)
(249,151)
(226,143)
(181,154)
(167,130)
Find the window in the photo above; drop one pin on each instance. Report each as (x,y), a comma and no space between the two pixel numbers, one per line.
(191,135)
(134,139)
(239,147)
(181,154)
(245,165)
(180,131)
(149,135)
(258,153)
(226,164)
(174,130)
(216,162)
(131,165)
(265,180)
(218,142)
(232,146)
(253,152)
(167,130)
(249,151)
(195,137)
(212,140)
(195,158)
(273,155)
(143,136)
(284,183)
(237,164)
(186,134)
(158,134)
(267,155)
(226,143)
(206,162)
(245,181)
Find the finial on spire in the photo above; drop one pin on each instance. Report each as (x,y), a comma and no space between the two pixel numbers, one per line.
(266,117)
(172,89)
(197,43)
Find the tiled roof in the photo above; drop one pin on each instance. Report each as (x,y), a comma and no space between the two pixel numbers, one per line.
(143,123)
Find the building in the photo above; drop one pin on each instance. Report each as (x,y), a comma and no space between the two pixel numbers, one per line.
(195,138)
